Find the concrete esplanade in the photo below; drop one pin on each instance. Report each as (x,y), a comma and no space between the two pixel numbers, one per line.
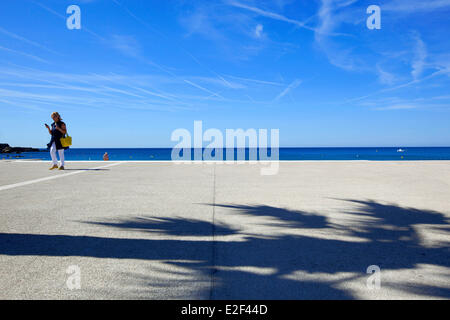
(315,230)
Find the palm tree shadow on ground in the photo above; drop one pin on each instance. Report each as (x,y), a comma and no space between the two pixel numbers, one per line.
(264,267)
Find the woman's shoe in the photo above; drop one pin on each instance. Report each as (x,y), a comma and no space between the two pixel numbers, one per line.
(53,167)
(61,168)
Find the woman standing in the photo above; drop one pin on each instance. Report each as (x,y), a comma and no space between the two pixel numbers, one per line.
(57,131)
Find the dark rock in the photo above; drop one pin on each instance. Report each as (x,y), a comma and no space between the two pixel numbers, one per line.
(5,148)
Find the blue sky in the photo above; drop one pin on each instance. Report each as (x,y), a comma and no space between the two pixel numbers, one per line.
(137,70)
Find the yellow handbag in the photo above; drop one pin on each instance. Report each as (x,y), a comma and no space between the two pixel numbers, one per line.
(66,141)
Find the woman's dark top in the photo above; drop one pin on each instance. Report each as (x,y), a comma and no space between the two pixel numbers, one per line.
(56,136)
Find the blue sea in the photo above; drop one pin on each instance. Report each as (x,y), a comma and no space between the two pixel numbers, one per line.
(164,154)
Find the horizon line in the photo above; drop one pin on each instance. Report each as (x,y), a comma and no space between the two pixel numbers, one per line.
(280,147)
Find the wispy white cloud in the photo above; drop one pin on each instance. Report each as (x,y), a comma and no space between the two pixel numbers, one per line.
(126,44)
(161,34)
(294,84)
(410,6)
(406,103)
(259,30)
(226,25)
(158,94)
(400,86)
(445,97)
(280,17)
(329,21)
(420,55)
(398,107)
(136,18)
(25,40)
(413,106)
(200,22)
(258,81)
(129,46)
(30,56)
(20,105)
(268,14)
(96,88)
(203,89)
(384,76)
(21,98)
(62,88)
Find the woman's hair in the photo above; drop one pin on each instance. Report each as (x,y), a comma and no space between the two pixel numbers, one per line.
(56,114)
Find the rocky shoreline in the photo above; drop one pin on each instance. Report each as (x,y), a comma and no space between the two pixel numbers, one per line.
(6,148)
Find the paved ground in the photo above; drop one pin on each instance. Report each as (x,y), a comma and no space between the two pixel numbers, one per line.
(216,231)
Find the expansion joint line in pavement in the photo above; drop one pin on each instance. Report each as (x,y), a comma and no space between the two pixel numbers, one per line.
(213,235)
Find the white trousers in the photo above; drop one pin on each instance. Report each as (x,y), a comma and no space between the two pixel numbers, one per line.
(53,155)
